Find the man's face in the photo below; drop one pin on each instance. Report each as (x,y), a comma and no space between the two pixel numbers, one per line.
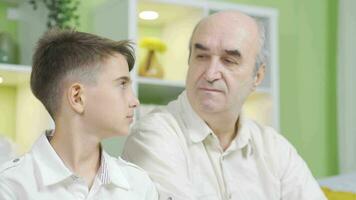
(221,66)
(110,103)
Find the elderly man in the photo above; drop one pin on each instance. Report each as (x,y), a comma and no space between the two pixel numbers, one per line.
(201,146)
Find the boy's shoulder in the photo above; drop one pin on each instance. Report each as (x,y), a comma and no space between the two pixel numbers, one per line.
(17,168)
(131,171)
(130,167)
(11,165)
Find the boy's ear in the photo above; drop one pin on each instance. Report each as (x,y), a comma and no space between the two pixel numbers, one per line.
(76,97)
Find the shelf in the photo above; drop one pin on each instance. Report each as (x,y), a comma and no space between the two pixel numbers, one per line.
(154,81)
(156,91)
(14,74)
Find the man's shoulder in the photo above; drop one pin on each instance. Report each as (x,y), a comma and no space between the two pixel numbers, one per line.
(266,136)
(158,116)
(159,121)
(271,145)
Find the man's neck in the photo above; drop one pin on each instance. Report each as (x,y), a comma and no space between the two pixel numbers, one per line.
(224,127)
(79,151)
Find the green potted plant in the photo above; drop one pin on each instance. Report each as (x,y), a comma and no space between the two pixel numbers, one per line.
(61,13)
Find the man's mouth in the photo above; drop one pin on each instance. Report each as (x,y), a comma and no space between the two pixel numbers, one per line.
(210,89)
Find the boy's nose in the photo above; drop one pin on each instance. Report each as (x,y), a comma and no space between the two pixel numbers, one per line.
(134,102)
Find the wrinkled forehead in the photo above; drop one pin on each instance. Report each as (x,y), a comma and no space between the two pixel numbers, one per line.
(232,33)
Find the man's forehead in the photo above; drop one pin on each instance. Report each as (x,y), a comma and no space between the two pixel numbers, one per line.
(221,41)
(225,37)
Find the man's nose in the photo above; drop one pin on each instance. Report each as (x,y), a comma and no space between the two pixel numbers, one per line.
(213,72)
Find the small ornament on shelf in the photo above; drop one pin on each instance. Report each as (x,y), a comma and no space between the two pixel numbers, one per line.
(150,66)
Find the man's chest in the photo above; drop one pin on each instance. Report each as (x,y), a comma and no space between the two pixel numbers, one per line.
(222,176)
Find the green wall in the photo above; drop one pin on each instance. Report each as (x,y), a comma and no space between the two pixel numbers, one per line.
(307,60)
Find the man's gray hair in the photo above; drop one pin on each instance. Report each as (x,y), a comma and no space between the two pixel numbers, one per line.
(261,57)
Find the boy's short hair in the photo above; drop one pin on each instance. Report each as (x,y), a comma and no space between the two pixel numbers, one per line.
(63,53)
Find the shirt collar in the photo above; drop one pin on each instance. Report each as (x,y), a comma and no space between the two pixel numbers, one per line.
(198,130)
(51,168)
(243,139)
(243,135)
(111,172)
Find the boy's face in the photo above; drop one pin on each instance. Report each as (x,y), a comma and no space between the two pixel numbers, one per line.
(110,103)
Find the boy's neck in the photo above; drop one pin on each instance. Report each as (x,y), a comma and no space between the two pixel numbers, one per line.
(80,152)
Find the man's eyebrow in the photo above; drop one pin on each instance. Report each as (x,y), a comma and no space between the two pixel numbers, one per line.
(201,47)
(123,78)
(234,52)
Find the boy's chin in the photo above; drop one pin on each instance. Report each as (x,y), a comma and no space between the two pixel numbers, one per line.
(121,133)
(117,133)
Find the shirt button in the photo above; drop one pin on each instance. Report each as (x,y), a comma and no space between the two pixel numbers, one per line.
(170,198)
(74,178)
(16,160)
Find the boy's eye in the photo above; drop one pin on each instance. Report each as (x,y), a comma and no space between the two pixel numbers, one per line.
(123,84)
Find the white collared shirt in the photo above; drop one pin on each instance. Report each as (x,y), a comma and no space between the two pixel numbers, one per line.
(7,150)
(42,175)
(184,159)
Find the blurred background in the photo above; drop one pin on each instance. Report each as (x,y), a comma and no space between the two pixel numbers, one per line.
(308,95)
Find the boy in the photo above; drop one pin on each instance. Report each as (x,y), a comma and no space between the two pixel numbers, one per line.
(83,81)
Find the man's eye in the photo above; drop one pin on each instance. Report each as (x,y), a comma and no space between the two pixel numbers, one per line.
(229,61)
(201,56)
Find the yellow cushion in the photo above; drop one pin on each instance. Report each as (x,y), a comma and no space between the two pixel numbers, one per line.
(336,195)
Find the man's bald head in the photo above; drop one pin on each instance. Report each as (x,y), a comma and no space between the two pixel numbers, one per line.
(226,20)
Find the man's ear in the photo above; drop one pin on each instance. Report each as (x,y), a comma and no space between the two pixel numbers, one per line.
(260,75)
(76,97)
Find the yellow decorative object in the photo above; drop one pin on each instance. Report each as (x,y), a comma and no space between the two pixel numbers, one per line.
(150,67)
(336,195)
